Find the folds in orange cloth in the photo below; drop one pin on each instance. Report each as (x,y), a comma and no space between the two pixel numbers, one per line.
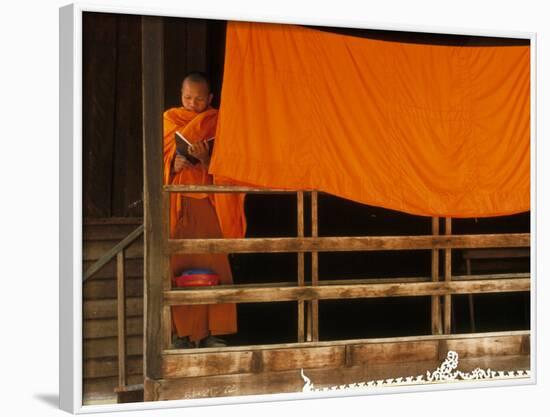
(431,130)
(200,215)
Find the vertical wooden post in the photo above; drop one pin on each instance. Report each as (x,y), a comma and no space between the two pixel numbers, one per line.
(121,318)
(154,274)
(447,298)
(436,304)
(314,269)
(165,266)
(471,298)
(301,265)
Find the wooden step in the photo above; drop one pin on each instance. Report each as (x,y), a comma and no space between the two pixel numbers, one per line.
(129,393)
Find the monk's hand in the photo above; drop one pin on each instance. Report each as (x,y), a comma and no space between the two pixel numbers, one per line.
(200,151)
(181,162)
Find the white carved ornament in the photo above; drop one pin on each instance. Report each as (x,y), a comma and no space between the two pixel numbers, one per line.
(447,372)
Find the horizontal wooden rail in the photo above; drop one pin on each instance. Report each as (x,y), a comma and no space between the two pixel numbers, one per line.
(491,276)
(235,294)
(223,189)
(259,359)
(346,244)
(466,338)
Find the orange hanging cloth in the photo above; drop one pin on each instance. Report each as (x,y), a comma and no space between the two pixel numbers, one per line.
(424,129)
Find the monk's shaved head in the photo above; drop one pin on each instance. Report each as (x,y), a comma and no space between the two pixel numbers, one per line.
(196,77)
(195,92)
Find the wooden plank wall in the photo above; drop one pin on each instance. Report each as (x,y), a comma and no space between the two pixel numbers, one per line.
(112,100)
(112,149)
(100,367)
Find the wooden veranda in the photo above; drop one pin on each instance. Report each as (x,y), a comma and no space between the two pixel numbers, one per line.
(194,373)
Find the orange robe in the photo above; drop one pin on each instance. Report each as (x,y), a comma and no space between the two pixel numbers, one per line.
(196,215)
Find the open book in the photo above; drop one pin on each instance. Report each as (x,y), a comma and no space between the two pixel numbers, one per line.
(183,145)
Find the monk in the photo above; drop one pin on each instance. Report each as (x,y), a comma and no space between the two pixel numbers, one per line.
(195,215)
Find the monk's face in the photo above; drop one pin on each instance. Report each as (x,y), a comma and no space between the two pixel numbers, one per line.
(195,96)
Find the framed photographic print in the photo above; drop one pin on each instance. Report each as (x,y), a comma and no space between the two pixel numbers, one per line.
(258,209)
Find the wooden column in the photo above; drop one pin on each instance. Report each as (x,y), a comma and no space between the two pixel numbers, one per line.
(301,266)
(314,269)
(167,278)
(154,273)
(470,298)
(436,304)
(121,318)
(447,298)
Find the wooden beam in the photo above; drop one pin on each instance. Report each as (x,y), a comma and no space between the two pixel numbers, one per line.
(223,189)
(232,372)
(252,361)
(204,364)
(448,274)
(492,336)
(121,314)
(345,244)
(277,382)
(398,351)
(167,276)
(301,264)
(436,304)
(314,267)
(308,357)
(234,294)
(107,308)
(491,276)
(153,107)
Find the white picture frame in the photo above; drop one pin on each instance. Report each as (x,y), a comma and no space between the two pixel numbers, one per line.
(71,221)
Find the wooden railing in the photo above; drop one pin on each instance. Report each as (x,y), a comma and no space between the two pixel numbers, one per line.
(113,252)
(118,252)
(308,295)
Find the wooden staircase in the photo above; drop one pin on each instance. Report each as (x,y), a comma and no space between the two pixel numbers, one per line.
(112,365)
